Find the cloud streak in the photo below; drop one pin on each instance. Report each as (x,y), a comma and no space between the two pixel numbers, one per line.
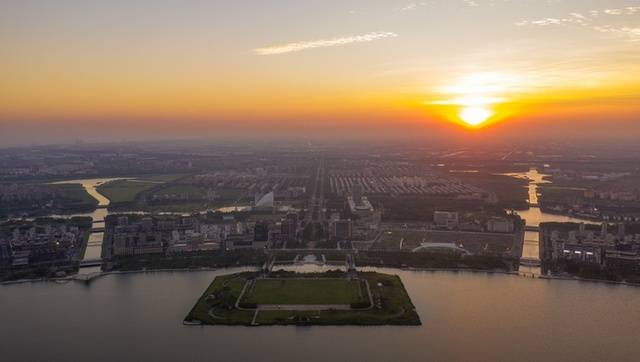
(590,21)
(322,43)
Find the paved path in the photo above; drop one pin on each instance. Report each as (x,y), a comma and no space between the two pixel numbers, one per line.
(304,307)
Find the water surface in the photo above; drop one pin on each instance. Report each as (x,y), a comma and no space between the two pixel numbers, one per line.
(465,317)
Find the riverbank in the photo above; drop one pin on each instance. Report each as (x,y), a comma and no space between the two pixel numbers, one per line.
(498,314)
(100,274)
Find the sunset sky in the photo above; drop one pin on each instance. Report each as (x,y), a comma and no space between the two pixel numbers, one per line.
(162,68)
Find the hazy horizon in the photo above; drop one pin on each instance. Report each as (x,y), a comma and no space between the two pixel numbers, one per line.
(492,69)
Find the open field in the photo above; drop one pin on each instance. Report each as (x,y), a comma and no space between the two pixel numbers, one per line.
(301,291)
(189,191)
(125,190)
(391,303)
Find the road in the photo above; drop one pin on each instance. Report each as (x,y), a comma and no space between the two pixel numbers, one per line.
(315,207)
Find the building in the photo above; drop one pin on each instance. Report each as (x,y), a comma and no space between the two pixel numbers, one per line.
(289,227)
(242,241)
(341,229)
(45,244)
(500,225)
(359,204)
(445,219)
(591,244)
(261,232)
(265,201)
(5,253)
(146,234)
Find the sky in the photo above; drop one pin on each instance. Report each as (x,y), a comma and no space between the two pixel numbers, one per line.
(152,68)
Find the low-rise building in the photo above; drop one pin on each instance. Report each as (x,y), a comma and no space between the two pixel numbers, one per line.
(615,247)
(500,225)
(341,229)
(445,219)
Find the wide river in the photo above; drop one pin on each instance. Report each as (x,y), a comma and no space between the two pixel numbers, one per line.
(465,316)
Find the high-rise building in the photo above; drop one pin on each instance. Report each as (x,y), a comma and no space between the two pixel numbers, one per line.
(289,227)
(357,193)
(621,231)
(123,221)
(341,229)
(261,231)
(603,231)
(5,252)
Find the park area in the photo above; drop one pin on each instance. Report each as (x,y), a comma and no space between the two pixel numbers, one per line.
(332,298)
(305,291)
(127,190)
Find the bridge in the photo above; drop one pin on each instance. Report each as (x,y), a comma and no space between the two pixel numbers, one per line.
(97,230)
(530,262)
(88,263)
(532,228)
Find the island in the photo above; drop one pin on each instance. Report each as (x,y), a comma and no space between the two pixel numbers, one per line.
(289,298)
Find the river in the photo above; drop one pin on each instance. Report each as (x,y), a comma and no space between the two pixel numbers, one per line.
(534,216)
(465,316)
(94,245)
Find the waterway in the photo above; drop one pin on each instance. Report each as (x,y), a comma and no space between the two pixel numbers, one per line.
(465,316)
(534,216)
(94,246)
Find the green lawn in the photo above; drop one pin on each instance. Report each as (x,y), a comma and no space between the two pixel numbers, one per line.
(162,177)
(77,193)
(392,305)
(227,289)
(125,190)
(303,291)
(191,191)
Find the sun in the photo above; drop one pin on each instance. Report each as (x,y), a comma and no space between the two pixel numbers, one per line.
(476,100)
(475,116)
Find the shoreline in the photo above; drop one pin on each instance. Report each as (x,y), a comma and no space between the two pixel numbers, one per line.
(97,275)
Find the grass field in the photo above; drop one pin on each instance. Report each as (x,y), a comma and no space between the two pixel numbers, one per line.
(122,191)
(125,190)
(190,191)
(391,303)
(162,177)
(227,290)
(304,291)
